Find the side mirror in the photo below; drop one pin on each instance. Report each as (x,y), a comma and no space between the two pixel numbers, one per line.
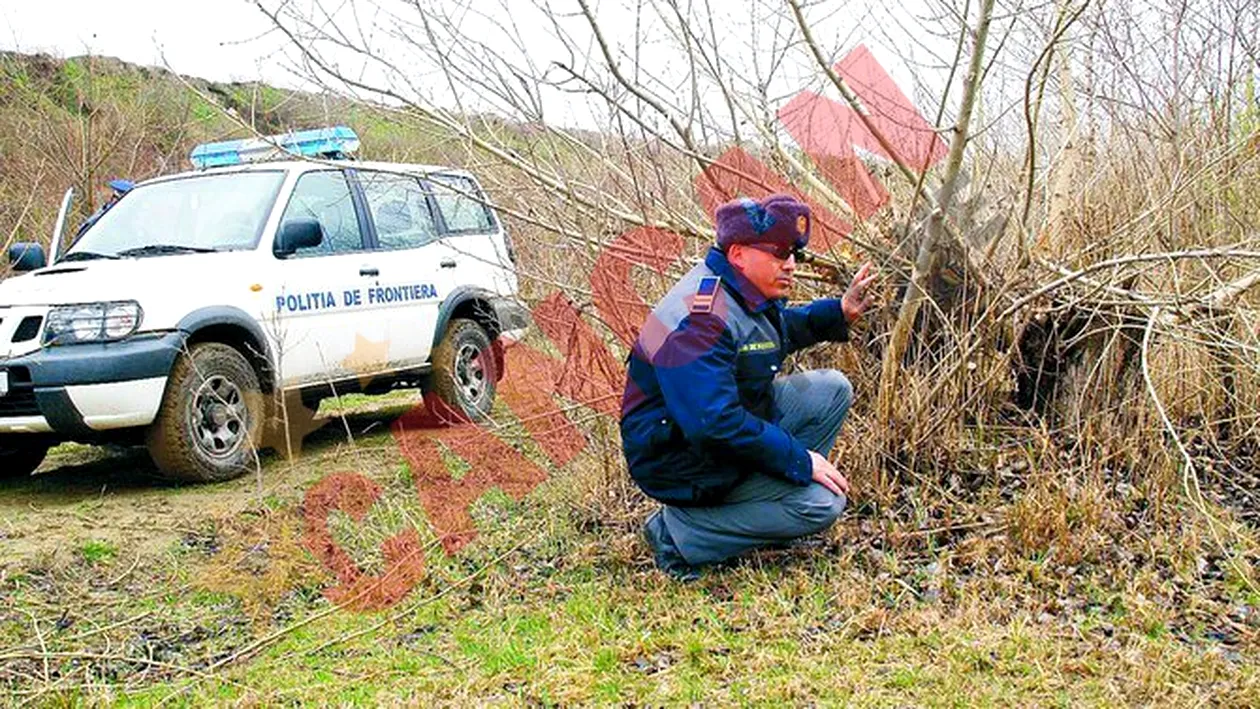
(27,256)
(300,233)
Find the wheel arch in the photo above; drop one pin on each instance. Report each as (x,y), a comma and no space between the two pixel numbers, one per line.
(474,304)
(235,328)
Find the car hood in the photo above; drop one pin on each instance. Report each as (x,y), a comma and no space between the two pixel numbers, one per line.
(124,279)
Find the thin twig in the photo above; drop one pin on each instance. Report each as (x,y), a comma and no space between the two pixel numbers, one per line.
(1189,476)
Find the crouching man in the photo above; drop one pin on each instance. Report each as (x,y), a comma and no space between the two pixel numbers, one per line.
(736,453)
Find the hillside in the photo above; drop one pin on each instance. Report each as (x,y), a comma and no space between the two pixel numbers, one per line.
(81,121)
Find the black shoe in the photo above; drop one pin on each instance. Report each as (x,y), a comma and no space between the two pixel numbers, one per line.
(667,557)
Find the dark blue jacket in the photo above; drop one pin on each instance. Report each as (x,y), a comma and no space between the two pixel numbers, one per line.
(698,414)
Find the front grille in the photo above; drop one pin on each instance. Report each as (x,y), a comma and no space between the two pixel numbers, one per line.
(28,328)
(20,401)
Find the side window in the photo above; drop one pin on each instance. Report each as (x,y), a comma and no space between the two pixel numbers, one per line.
(325,196)
(399,210)
(462,204)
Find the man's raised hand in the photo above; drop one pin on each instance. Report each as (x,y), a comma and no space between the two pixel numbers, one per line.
(858,298)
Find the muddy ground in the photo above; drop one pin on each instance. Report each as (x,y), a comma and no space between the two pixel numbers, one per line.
(113,495)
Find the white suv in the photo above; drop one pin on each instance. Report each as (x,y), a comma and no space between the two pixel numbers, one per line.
(199,300)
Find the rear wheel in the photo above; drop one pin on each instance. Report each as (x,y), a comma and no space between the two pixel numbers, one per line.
(207,428)
(465,370)
(19,458)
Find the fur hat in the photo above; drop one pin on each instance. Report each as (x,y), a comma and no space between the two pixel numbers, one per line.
(779,218)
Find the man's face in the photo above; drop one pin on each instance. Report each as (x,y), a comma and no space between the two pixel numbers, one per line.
(769,273)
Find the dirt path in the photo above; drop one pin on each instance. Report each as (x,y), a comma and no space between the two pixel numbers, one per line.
(113,495)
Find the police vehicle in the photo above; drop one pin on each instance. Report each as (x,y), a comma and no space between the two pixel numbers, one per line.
(205,310)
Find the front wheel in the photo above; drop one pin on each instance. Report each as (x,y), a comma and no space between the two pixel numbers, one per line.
(465,370)
(19,458)
(207,428)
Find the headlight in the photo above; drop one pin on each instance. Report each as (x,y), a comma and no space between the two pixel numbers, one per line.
(92,322)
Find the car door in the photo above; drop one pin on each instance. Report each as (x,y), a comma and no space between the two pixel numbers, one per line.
(324,326)
(416,272)
(471,235)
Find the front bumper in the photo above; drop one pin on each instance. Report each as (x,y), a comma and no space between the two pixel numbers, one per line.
(76,391)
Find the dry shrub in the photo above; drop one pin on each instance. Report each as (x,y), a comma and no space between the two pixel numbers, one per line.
(1063,518)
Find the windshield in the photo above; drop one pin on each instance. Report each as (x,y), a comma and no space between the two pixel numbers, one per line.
(203,213)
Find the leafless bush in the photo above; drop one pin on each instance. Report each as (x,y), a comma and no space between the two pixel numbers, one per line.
(1074,283)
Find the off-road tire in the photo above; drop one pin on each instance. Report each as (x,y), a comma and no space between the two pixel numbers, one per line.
(19,459)
(211,386)
(464,373)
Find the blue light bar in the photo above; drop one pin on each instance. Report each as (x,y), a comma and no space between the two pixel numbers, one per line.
(335,142)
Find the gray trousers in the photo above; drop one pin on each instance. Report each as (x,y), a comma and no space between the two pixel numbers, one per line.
(765,510)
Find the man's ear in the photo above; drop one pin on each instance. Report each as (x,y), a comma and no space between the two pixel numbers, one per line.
(735,255)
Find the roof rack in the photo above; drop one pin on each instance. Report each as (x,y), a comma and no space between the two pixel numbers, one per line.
(335,143)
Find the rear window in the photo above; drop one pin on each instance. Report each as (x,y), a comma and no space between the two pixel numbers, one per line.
(462,205)
(399,209)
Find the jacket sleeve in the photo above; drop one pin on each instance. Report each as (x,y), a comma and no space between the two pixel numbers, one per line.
(820,321)
(695,366)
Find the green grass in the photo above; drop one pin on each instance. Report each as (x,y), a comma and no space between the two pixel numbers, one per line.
(398,401)
(96,551)
(568,621)
(519,651)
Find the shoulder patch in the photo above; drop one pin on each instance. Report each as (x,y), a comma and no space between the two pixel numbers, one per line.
(706,292)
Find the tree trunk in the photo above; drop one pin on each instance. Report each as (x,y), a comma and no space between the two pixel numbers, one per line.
(927,262)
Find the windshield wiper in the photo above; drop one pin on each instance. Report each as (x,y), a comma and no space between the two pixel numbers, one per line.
(85,256)
(157,249)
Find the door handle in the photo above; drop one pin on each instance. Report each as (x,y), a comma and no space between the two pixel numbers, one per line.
(448,263)
(369,271)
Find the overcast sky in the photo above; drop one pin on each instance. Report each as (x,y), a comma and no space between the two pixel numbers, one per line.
(231,40)
(225,40)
